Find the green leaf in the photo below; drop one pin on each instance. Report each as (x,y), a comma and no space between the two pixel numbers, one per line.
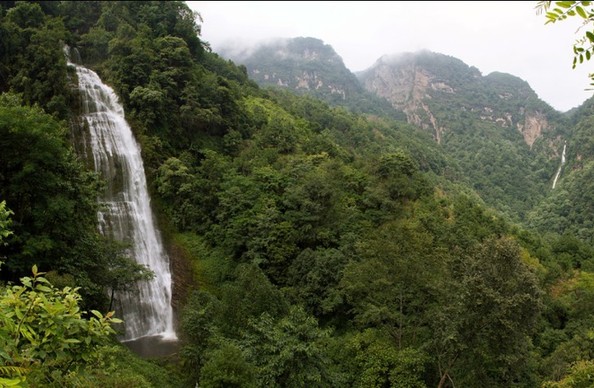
(43,288)
(15,382)
(28,334)
(588,55)
(590,36)
(43,280)
(564,4)
(581,12)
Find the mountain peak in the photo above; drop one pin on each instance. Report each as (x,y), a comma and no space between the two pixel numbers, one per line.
(289,49)
(434,90)
(303,64)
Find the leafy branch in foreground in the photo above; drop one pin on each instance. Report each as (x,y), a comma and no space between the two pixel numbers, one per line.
(44,334)
(583,48)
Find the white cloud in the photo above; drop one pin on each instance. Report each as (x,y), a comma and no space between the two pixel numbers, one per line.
(492,36)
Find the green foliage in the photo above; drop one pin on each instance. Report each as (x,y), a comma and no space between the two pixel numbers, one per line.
(45,333)
(52,195)
(289,352)
(483,332)
(379,363)
(247,297)
(398,275)
(313,279)
(5,221)
(116,366)
(227,367)
(581,375)
(199,331)
(583,11)
(330,248)
(568,209)
(32,61)
(119,272)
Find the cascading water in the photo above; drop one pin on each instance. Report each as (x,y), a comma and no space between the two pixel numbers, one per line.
(126,213)
(561,165)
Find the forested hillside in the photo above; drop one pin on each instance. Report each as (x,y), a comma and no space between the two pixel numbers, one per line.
(310,67)
(506,141)
(313,245)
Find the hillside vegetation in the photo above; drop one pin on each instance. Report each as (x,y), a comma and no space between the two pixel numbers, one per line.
(325,246)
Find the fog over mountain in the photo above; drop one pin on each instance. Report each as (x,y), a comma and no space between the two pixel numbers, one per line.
(506,37)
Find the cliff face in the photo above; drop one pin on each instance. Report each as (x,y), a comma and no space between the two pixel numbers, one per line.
(507,141)
(437,92)
(535,124)
(495,126)
(406,88)
(308,66)
(497,129)
(303,65)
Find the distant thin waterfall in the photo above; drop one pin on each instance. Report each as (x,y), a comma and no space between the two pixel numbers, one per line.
(560,166)
(126,213)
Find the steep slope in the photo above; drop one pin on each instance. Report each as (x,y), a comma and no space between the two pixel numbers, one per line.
(295,224)
(437,91)
(505,138)
(308,66)
(570,207)
(305,64)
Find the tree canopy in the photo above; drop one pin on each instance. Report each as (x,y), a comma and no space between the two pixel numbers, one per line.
(312,244)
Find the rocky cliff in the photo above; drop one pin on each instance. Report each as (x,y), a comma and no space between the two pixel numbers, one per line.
(301,64)
(308,66)
(436,92)
(504,138)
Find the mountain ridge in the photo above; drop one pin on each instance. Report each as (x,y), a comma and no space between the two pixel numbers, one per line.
(293,223)
(486,122)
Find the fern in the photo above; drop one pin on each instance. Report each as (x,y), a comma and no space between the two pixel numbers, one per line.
(10,370)
(16,374)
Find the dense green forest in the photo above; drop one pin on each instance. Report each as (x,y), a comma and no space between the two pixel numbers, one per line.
(323,246)
(505,140)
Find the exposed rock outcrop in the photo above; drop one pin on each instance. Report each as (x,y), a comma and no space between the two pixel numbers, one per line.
(436,91)
(533,126)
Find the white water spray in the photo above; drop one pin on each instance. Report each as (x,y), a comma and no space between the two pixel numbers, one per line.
(560,166)
(126,213)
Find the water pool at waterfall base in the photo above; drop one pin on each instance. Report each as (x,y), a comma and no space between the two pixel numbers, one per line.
(154,346)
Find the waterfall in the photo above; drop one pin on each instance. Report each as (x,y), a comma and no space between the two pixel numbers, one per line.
(125,213)
(560,166)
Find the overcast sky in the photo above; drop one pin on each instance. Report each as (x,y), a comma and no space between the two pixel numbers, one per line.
(491,36)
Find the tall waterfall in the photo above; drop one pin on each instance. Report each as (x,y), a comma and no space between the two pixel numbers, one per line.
(560,166)
(126,213)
